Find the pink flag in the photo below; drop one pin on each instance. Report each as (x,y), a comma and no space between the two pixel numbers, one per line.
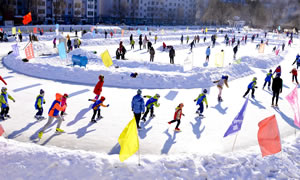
(1,130)
(293,100)
(29,51)
(35,30)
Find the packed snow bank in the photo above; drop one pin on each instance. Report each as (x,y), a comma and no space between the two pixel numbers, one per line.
(29,161)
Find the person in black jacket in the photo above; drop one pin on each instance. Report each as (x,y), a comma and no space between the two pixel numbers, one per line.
(172,55)
(276,88)
(235,49)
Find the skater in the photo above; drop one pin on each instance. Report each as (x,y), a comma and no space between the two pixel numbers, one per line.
(192,45)
(199,100)
(295,74)
(181,39)
(54,43)
(204,39)
(140,43)
(64,102)
(268,79)
(276,88)
(155,39)
(177,116)
(187,39)
(277,70)
(172,55)
(4,103)
(1,79)
(149,45)
(105,34)
(54,113)
(297,60)
(75,43)
(98,87)
(69,44)
(111,34)
(207,53)
(152,53)
(152,101)
(76,33)
(20,37)
(235,49)
(39,105)
(130,38)
(283,45)
(132,42)
(221,82)
(96,108)
(252,87)
(138,107)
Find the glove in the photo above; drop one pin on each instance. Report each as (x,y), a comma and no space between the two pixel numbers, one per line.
(255,87)
(107,105)
(183,114)
(44,102)
(144,96)
(89,99)
(194,100)
(14,100)
(206,106)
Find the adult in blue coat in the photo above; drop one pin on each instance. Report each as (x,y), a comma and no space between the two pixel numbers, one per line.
(207,53)
(138,107)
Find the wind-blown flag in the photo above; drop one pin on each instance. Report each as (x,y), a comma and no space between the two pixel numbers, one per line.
(35,30)
(128,141)
(19,31)
(122,32)
(268,136)
(219,59)
(94,33)
(292,98)
(62,50)
(13,30)
(27,18)
(29,51)
(115,31)
(1,130)
(236,124)
(106,58)
(15,49)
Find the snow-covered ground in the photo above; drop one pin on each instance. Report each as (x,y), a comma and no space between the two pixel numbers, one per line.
(198,152)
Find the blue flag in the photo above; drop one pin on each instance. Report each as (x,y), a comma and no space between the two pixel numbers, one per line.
(15,49)
(93,33)
(236,124)
(62,50)
(139,31)
(146,29)
(57,26)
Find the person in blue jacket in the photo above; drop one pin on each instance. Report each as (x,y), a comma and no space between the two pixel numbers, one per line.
(199,100)
(96,108)
(251,86)
(207,53)
(297,60)
(39,105)
(138,107)
(152,101)
(268,79)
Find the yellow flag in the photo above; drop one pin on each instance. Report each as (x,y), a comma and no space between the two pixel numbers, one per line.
(129,141)
(19,31)
(206,30)
(14,30)
(107,61)
(219,59)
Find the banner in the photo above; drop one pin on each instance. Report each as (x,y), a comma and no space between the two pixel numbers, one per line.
(261,48)
(106,58)
(62,50)
(219,59)
(13,30)
(188,63)
(15,49)
(292,98)
(268,136)
(236,124)
(29,51)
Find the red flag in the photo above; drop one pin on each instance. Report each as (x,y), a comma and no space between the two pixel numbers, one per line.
(268,136)
(35,30)
(29,51)
(3,80)
(27,18)
(1,130)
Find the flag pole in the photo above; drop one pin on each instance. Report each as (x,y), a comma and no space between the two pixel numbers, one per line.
(234,141)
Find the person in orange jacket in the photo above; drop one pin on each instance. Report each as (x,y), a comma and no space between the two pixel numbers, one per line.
(177,116)
(98,87)
(3,80)
(54,113)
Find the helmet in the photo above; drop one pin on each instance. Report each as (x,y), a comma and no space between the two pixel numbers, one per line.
(3,89)
(102,98)
(157,95)
(181,104)
(204,91)
(139,91)
(254,79)
(42,91)
(225,77)
(66,95)
(270,70)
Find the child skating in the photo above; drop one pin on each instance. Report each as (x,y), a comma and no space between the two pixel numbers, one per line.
(64,102)
(39,105)
(4,103)
(199,100)
(221,82)
(268,79)
(152,101)
(252,87)
(295,74)
(177,116)
(96,108)
(98,87)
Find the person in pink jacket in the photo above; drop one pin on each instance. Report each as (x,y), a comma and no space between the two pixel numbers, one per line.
(64,102)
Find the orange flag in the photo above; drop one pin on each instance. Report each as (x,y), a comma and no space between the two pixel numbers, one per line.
(27,18)
(268,136)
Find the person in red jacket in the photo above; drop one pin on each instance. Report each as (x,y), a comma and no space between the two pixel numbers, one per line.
(295,74)
(177,116)
(98,87)
(3,80)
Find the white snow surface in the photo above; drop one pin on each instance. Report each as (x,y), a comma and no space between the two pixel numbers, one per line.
(90,151)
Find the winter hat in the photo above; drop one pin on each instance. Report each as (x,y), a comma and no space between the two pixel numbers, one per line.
(270,70)
(66,95)
(102,98)
(181,104)
(157,95)
(277,74)
(204,91)
(42,91)
(3,89)
(139,91)
(254,79)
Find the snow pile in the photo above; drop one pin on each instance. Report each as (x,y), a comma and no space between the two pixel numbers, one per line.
(29,161)
(89,35)
(41,48)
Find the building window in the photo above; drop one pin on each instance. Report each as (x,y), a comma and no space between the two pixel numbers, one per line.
(90,13)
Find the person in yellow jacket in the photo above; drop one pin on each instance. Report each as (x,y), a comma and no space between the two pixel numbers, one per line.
(152,101)
(4,103)
(199,100)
